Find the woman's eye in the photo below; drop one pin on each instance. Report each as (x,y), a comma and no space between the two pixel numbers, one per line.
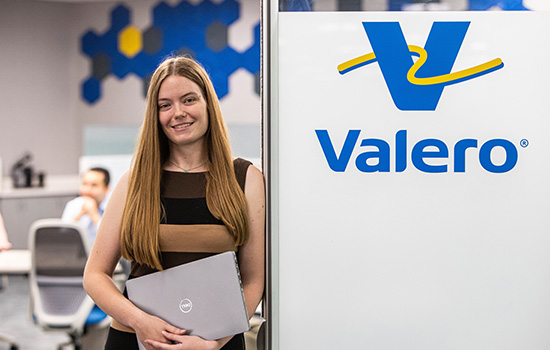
(163,106)
(190,100)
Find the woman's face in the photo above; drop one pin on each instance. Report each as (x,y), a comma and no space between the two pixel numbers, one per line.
(182,111)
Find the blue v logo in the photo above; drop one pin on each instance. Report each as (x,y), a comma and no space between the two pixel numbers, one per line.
(418,85)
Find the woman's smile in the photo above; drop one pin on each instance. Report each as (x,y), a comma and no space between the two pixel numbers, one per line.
(182,126)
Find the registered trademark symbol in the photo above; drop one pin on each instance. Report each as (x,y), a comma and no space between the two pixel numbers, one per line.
(524,143)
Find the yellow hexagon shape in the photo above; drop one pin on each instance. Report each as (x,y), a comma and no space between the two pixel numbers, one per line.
(130,41)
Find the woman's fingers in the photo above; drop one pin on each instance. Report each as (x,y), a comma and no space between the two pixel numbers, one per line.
(173,330)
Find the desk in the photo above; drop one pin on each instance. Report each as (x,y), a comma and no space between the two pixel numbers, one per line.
(15,262)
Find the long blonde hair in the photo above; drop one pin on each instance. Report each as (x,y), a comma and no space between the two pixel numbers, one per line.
(142,214)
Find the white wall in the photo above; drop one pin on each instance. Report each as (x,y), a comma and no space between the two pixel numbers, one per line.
(42,69)
(36,94)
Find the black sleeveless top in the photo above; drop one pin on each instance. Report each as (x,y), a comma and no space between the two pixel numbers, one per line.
(188,230)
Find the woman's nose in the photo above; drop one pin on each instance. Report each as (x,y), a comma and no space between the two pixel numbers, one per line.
(180,110)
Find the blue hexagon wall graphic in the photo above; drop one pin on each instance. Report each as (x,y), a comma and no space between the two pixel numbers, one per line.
(507,5)
(474,5)
(198,30)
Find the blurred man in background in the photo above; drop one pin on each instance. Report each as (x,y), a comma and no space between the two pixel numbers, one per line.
(88,209)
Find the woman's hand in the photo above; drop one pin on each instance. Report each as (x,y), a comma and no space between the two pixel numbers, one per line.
(152,330)
(180,341)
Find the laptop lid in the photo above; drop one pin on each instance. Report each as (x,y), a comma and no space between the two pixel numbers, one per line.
(204,297)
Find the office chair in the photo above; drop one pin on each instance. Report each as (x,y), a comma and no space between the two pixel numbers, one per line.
(59,251)
(5,337)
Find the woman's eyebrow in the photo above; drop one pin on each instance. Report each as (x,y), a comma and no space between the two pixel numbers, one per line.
(189,93)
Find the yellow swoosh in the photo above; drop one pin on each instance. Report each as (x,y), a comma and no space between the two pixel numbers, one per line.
(445,78)
(356,61)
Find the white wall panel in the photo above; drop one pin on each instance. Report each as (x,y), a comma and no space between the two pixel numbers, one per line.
(410,259)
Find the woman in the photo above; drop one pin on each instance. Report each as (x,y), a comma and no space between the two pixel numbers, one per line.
(183,186)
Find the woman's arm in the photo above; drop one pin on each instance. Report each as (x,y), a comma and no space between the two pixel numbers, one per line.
(252,254)
(103,259)
(104,256)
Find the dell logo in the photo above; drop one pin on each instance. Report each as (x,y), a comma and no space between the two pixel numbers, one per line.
(186,305)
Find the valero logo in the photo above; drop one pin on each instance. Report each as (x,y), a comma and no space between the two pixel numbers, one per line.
(376,154)
(417,86)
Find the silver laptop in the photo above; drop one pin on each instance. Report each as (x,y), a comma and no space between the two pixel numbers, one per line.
(204,297)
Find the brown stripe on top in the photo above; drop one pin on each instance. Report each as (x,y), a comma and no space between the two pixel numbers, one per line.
(120,327)
(196,238)
(195,185)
